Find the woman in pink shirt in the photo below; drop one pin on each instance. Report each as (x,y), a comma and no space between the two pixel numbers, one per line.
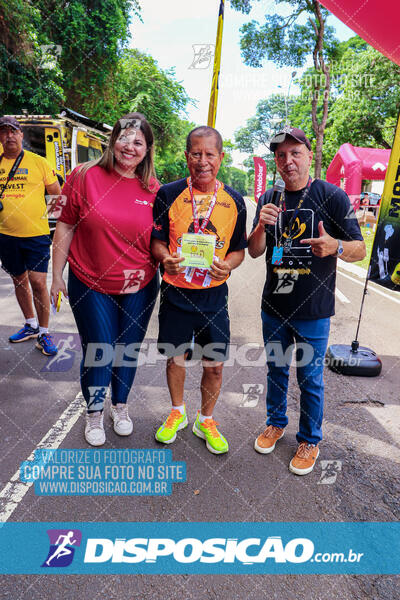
(104,233)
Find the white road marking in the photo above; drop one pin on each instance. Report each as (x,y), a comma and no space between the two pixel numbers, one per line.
(341,296)
(14,491)
(352,268)
(388,417)
(363,443)
(370,287)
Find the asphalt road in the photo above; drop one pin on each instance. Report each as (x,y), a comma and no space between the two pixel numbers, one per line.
(39,403)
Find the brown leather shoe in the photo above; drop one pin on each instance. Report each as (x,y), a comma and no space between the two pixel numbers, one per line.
(266,441)
(304,460)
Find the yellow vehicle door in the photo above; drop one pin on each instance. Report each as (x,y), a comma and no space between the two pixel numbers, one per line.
(55,151)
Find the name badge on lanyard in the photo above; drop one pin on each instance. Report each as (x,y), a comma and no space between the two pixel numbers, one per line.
(201,275)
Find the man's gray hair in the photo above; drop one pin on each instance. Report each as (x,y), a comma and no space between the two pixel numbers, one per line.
(203,131)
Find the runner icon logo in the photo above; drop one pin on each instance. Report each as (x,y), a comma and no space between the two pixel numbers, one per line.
(251,394)
(202,56)
(133,277)
(97,397)
(63,361)
(62,547)
(330,470)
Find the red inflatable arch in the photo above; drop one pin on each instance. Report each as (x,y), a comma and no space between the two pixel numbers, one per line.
(353,164)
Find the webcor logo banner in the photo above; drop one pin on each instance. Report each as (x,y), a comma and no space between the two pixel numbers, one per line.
(207,548)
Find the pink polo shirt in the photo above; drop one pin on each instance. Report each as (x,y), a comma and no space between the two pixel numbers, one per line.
(110,250)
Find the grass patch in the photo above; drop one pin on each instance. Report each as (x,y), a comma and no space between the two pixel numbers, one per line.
(368,236)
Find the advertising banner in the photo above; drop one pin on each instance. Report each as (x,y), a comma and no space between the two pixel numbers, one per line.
(385,257)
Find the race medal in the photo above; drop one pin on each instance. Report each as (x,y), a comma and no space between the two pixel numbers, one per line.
(277,254)
(287,245)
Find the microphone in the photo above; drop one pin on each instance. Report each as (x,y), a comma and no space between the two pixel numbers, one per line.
(278,188)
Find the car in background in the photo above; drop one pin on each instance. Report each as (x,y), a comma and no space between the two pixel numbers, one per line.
(65,140)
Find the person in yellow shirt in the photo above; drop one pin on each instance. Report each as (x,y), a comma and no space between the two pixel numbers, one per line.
(24,231)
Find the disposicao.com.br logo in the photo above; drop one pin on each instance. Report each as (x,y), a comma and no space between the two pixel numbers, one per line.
(248,551)
(201,547)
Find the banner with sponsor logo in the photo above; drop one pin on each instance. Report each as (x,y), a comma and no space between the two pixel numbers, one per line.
(205,548)
(260,177)
(384,265)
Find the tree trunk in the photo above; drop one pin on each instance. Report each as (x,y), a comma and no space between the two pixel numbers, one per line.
(322,71)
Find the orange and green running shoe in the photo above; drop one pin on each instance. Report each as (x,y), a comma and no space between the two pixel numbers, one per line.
(173,423)
(215,441)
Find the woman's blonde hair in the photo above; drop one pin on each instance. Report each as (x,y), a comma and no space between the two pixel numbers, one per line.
(145,170)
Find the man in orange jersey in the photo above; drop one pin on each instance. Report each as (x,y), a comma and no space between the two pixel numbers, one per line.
(193,305)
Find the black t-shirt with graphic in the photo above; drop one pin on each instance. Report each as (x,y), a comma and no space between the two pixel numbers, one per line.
(302,286)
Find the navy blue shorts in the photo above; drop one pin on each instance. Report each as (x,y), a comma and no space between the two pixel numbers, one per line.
(20,254)
(209,331)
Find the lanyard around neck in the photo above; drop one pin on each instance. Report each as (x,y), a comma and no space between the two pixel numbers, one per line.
(196,224)
(12,171)
(288,228)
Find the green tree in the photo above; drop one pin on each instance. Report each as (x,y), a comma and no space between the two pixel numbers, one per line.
(248,163)
(139,84)
(366,109)
(170,160)
(288,41)
(364,99)
(92,35)
(55,52)
(270,117)
(232,176)
(30,77)
(239,180)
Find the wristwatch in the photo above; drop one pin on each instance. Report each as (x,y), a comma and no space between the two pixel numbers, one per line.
(340,248)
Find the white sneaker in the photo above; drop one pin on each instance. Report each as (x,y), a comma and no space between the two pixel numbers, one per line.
(122,422)
(94,430)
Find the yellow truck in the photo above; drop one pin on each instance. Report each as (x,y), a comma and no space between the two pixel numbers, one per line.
(66,140)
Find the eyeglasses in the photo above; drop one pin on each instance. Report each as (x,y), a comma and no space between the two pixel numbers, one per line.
(8,130)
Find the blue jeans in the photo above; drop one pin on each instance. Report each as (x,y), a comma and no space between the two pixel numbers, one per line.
(311,337)
(106,320)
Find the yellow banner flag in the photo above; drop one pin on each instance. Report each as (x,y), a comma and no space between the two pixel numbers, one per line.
(384,267)
(212,109)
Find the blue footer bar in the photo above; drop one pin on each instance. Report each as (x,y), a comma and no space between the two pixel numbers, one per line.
(207,548)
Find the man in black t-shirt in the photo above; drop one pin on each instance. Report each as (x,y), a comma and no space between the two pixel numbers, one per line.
(302,237)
